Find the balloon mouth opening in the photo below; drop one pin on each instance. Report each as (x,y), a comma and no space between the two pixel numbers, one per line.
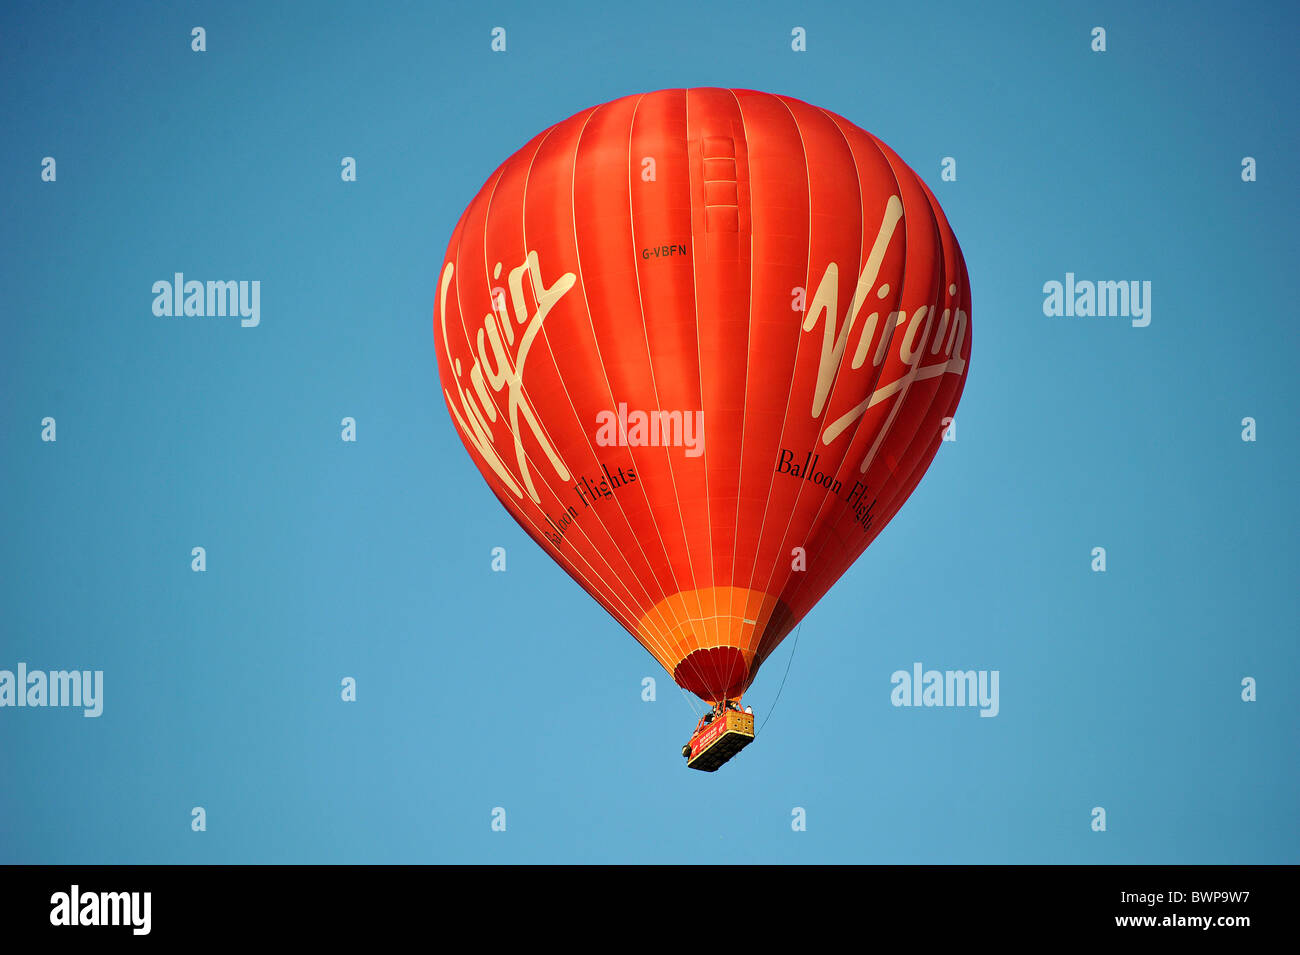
(714,673)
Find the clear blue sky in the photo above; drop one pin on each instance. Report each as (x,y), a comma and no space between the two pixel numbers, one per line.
(372,560)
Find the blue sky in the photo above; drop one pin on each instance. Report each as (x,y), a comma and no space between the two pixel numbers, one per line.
(372,560)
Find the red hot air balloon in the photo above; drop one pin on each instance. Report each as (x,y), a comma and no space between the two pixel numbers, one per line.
(702,344)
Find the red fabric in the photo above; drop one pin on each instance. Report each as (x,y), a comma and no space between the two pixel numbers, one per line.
(678,293)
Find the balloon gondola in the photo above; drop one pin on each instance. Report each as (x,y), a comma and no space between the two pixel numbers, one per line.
(702,345)
(721,733)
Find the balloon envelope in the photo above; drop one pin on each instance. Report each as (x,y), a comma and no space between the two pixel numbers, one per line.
(702,345)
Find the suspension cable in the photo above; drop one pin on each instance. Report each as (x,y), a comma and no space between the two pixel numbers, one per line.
(772,709)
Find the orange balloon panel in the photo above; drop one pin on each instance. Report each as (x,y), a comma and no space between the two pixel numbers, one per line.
(702,344)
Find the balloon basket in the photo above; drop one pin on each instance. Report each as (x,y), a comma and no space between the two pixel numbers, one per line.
(718,741)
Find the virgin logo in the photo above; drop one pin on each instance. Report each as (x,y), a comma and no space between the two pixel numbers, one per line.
(495,370)
(911,343)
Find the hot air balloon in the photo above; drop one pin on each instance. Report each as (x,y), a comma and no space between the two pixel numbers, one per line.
(702,344)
